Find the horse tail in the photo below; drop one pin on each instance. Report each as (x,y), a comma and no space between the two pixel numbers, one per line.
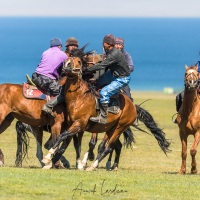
(22,143)
(145,117)
(128,138)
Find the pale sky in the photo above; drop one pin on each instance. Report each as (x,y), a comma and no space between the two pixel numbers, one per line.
(101,8)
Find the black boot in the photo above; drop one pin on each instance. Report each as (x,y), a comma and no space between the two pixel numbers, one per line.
(102,118)
(48,107)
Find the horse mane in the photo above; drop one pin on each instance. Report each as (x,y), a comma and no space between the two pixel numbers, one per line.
(80,52)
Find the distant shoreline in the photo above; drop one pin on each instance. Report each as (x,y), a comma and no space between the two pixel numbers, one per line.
(152,94)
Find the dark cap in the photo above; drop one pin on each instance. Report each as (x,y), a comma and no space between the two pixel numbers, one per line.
(109,39)
(119,41)
(71,41)
(55,42)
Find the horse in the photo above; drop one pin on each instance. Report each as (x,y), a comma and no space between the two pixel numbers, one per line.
(28,111)
(23,138)
(81,105)
(188,117)
(88,59)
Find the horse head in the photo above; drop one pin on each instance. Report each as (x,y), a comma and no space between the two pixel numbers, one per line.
(72,66)
(191,77)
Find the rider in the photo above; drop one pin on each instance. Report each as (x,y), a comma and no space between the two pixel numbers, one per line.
(115,78)
(119,44)
(71,44)
(46,74)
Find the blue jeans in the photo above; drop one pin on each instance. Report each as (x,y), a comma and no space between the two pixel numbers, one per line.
(114,85)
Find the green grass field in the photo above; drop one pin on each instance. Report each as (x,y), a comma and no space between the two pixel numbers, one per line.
(144,173)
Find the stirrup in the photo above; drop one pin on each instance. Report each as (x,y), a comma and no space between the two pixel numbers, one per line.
(99,119)
(46,110)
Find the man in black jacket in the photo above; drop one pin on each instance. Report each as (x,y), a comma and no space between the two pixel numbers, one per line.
(116,77)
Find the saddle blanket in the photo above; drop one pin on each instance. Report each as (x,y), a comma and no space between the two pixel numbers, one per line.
(33,92)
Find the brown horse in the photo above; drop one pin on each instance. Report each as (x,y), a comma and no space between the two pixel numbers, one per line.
(88,59)
(81,105)
(13,104)
(188,117)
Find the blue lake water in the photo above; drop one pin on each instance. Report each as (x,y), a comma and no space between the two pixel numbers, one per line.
(160,47)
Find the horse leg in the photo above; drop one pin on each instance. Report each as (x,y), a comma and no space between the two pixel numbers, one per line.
(108,163)
(183,138)
(102,151)
(193,152)
(117,147)
(6,123)
(59,155)
(77,146)
(38,133)
(92,144)
(89,155)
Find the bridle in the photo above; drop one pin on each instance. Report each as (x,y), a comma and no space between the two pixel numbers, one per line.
(191,79)
(70,66)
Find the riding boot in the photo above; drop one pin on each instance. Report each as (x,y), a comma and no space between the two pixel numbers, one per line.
(48,107)
(102,118)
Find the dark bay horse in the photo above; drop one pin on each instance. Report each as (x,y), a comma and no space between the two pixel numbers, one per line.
(188,118)
(81,105)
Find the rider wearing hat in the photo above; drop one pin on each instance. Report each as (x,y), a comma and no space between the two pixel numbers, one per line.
(119,44)
(47,73)
(116,77)
(71,43)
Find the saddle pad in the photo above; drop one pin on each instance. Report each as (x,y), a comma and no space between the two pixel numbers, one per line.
(32,92)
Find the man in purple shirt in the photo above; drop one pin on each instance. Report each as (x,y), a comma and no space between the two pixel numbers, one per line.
(46,74)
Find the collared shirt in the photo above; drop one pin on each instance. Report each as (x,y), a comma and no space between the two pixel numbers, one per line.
(51,60)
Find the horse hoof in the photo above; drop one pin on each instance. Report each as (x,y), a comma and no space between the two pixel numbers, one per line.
(108,165)
(47,166)
(90,169)
(193,171)
(84,164)
(1,164)
(181,172)
(46,160)
(80,167)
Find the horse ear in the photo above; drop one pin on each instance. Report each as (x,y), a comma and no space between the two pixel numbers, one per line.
(196,66)
(186,67)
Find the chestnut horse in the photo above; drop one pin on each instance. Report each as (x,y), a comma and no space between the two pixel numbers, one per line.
(13,104)
(188,117)
(81,105)
(88,59)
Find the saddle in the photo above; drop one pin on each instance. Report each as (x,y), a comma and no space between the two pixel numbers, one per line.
(31,91)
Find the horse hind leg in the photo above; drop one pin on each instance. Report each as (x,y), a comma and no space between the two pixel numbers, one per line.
(118,147)
(193,152)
